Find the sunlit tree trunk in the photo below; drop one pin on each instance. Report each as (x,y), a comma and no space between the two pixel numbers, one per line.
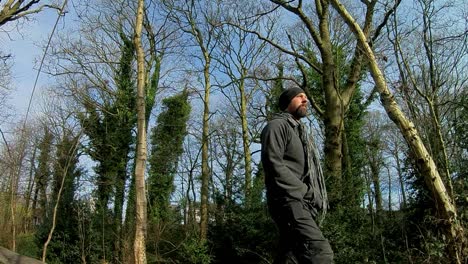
(139,246)
(153,71)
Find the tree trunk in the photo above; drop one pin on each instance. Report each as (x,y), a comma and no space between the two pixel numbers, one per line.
(71,155)
(191,215)
(29,190)
(205,169)
(395,153)
(245,139)
(15,177)
(333,120)
(389,189)
(375,169)
(441,148)
(370,201)
(119,237)
(446,207)
(139,247)
(13,194)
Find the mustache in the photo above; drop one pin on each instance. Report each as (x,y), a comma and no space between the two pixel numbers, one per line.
(301,112)
(301,105)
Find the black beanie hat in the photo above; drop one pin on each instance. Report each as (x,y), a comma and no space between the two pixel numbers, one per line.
(287,95)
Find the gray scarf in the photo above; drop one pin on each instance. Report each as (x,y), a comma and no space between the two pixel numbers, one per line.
(315,172)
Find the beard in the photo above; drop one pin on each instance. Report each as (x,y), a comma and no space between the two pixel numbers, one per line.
(301,111)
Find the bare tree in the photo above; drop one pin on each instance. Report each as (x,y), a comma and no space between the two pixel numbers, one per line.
(15,150)
(395,150)
(239,55)
(189,164)
(193,18)
(453,229)
(431,75)
(374,128)
(227,157)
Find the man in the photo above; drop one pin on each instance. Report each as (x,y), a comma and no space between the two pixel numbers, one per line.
(294,183)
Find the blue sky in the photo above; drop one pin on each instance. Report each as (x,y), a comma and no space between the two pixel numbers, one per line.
(24,44)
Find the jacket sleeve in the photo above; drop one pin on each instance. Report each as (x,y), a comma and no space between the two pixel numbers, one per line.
(274,142)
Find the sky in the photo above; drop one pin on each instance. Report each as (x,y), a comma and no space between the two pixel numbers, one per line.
(23,41)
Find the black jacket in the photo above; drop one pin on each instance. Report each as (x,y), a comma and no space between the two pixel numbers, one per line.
(283,159)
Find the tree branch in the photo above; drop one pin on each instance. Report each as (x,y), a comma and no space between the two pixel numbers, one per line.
(13,11)
(279,47)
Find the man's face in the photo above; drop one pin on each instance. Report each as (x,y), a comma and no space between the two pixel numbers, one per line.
(298,106)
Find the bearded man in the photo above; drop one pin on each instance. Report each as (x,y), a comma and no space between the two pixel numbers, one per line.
(294,183)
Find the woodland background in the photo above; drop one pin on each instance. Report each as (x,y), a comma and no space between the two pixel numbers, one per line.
(213,72)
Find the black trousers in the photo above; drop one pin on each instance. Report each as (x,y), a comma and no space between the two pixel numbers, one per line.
(301,240)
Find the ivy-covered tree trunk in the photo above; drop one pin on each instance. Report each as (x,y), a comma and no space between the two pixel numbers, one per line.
(333,119)
(29,189)
(42,177)
(166,148)
(110,132)
(124,108)
(60,232)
